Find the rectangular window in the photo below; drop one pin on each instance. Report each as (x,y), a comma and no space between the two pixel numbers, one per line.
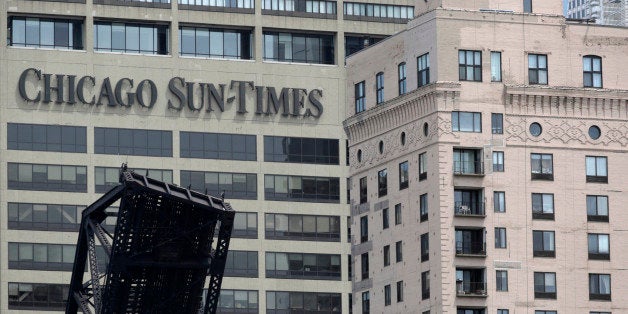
(425,247)
(542,166)
(301,188)
(423,207)
(245,226)
(363,190)
(385,220)
(305,150)
(40,177)
(37,296)
(599,246)
(386,255)
(41,256)
(402,78)
(365,265)
(501,280)
(403,175)
(221,146)
(242,4)
(498,161)
(382,183)
(302,227)
(597,208)
(106,178)
(425,285)
(215,43)
(387,296)
(592,71)
(136,142)
(241,264)
(537,69)
(278,302)
(45,33)
(364,229)
(379,12)
(423,69)
(542,206)
(543,244)
(527,6)
(398,217)
(470,241)
(398,251)
(497,123)
(309,6)
(234,185)
(354,44)
(470,65)
(366,307)
(600,287)
(379,87)
(499,202)
(303,266)
(45,217)
(496,66)
(422,166)
(544,285)
(399,291)
(242,300)
(50,138)
(500,238)
(131,37)
(360,101)
(596,169)
(503,311)
(466,121)
(297,47)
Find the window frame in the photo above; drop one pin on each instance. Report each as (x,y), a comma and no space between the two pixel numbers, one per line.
(540,210)
(541,290)
(497,123)
(596,200)
(496,66)
(501,280)
(424,207)
(476,118)
(364,229)
(475,66)
(538,172)
(360,97)
(544,251)
(422,166)
(595,280)
(423,69)
(379,87)
(592,72)
(596,175)
(382,183)
(404,180)
(398,251)
(401,76)
(499,201)
(385,219)
(535,70)
(596,253)
(398,214)
(425,247)
(501,239)
(498,161)
(363,190)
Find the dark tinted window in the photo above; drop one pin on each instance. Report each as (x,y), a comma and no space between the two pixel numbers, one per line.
(305,48)
(301,150)
(215,42)
(133,142)
(41,256)
(302,266)
(52,138)
(37,296)
(131,38)
(302,227)
(45,32)
(218,146)
(241,264)
(40,177)
(301,188)
(234,185)
(278,302)
(107,177)
(48,217)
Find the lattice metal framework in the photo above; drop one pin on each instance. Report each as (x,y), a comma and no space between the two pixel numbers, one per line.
(162,250)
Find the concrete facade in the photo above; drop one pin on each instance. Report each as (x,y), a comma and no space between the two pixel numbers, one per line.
(403,127)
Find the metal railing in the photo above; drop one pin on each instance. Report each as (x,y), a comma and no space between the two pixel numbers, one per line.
(469,209)
(468,167)
(470,288)
(470,247)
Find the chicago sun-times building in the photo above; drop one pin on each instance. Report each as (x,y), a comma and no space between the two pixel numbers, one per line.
(241,97)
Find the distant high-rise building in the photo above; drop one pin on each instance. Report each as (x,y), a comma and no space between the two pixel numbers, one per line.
(605,12)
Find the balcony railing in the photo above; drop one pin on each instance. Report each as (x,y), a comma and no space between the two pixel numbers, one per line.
(468,168)
(469,209)
(470,248)
(539,214)
(470,288)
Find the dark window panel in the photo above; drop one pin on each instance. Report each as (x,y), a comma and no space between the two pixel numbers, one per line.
(135,142)
(218,146)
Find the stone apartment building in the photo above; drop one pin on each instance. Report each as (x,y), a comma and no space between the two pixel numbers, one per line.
(488,145)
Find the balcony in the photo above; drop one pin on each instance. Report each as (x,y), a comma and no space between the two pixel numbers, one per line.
(469,209)
(462,168)
(471,282)
(471,248)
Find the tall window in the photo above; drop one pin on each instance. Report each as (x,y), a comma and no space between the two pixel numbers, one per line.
(366,307)
(599,246)
(543,244)
(537,69)
(422,166)
(470,65)
(425,285)
(398,251)
(131,38)
(544,285)
(364,229)
(385,218)
(501,280)
(386,255)
(423,208)
(527,6)
(360,101)
(496,66)
(387,297)
(423,69)
(398,216)
(497,123)
(599,286)
(596,169)
(499,201)
(542,166)
(399,291)
(592,71)
(402,78)
(363,190)
(425,247)
(403,175)
(498,161)
(597,208)
(543,206)
(303,48)
(215,42)
(500,238)
(382,183)
(466,121)
(364,258)
(379,87)
(45,33)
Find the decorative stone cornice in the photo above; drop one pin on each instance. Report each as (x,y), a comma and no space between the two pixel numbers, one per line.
(400,111)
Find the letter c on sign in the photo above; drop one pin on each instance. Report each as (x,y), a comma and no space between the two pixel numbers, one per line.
(22,84)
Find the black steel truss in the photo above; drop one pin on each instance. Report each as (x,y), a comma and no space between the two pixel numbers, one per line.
(159,255)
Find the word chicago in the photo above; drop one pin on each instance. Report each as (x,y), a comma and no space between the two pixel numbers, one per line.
(70,89)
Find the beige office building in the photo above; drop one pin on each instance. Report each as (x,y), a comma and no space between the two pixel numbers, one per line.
(245,97)
(488,159)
